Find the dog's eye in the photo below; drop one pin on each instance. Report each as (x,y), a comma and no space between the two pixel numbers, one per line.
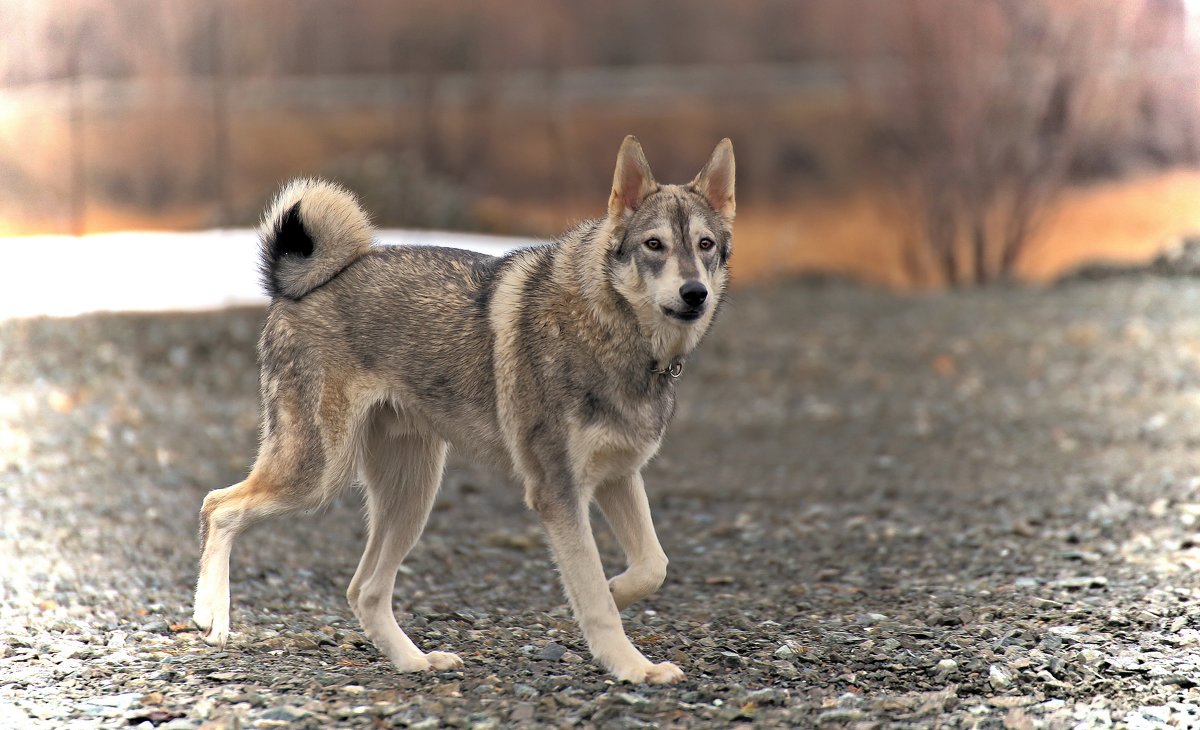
(653,244)
(706,243)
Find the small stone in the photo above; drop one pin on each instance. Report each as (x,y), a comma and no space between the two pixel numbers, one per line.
(785,651)
(630,698)
(156,627)
(124,700)
(524,691)
(767,696)
(571,657)
(1045,603)
(118,657)
(355,638)
(303,643)
(841,714)
(522,713)
(1090,656)
(946,667)
(484,722)
(117,639)
(1074,584)
(552,652)
(284,713)
(999,677)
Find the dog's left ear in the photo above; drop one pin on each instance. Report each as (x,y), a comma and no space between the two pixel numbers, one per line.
(715,181)
(632,181)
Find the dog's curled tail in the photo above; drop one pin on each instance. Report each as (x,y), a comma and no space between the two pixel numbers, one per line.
(311,232)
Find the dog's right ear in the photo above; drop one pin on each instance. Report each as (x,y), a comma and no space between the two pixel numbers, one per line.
(633,181)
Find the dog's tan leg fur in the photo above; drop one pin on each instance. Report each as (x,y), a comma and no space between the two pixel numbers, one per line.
(277,484)
(627,510)
(401,474)
(226,512)
(571,539)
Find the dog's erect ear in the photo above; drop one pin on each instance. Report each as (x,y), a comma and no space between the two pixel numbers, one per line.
(632,181)
(715,181)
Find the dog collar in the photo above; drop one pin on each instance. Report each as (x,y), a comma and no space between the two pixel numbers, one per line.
(675,369)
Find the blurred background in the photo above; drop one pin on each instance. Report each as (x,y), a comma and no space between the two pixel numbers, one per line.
(909,143)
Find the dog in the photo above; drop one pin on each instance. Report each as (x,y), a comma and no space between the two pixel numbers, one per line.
(555,363)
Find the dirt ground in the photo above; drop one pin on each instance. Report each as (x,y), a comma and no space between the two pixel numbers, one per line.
(959,510)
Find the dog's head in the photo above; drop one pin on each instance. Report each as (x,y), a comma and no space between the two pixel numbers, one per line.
(671,247)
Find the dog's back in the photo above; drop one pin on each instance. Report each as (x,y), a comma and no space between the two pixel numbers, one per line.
(407,326)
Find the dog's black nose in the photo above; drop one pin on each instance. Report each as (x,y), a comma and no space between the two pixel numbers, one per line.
(693,293)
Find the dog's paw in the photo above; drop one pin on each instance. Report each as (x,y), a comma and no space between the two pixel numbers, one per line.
(443,660)
(662,673)
(217,633)
(213,625)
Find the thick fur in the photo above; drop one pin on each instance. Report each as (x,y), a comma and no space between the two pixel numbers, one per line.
(554,363)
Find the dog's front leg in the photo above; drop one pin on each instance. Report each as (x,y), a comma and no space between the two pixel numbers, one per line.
(565,515)
(628,512)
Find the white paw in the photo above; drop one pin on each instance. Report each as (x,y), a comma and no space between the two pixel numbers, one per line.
(213,622)
(443,660)
(662,673)
(412,664)
(218,633)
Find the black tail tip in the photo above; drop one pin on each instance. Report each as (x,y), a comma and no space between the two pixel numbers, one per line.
(288,237)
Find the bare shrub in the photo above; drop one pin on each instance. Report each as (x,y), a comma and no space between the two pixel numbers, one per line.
(980,118)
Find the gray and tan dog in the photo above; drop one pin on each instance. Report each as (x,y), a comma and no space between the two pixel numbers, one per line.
(555,363)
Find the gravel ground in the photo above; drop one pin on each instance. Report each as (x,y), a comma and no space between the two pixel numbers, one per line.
(965,510)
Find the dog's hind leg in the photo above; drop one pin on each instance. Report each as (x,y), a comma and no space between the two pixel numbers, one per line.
(627,510)
(402,474)
(296,469)
(226,512)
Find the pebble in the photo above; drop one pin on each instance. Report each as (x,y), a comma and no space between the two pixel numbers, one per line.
(1090,581)
(552,652)
(1000,677)
(284,713)
(630,698)
(946,667)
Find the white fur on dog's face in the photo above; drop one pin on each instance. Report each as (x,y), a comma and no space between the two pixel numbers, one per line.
(670,245)
(672,237)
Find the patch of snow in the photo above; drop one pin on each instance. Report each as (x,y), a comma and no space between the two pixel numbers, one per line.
(64,276)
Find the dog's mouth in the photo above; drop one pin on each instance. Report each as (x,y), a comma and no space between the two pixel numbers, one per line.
(690,314)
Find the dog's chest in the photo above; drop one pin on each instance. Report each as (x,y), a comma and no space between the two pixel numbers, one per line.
(604,451)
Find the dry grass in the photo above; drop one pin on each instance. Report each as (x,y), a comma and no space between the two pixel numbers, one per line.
(1123,221)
